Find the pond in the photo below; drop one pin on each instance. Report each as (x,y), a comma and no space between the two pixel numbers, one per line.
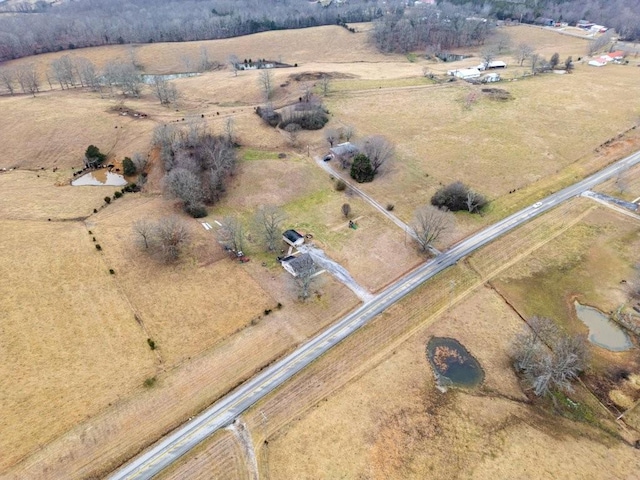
(149,78)
(602,331)
(453,364)
(100,177)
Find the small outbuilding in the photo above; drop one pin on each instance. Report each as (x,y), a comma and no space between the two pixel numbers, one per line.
(465,73)
(293,238)
(298,265)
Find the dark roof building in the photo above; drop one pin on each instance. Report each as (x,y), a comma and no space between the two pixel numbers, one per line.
(293,238)
(297,265)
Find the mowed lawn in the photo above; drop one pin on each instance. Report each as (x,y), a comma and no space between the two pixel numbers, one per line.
(70,345)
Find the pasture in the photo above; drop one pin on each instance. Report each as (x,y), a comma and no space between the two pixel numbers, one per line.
(76,336)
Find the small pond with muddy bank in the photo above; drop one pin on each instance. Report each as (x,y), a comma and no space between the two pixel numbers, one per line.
(100,177)
(453,364)
(603,332)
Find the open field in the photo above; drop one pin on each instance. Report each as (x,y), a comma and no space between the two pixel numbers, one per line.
(70,345)
(393,423)
(411,430)
(76,402)
(505,146)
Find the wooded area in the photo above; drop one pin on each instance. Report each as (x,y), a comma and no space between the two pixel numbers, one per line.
(39,28)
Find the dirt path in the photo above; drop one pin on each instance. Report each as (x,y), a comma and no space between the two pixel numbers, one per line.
(337,270)
(406,228)
(241,432)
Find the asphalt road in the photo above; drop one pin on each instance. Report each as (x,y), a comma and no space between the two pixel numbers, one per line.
(223,412)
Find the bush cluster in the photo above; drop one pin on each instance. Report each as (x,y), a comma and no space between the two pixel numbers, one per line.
(361,169)
(457,196)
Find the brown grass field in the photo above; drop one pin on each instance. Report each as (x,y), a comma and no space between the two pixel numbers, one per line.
(76,359)
(369,409)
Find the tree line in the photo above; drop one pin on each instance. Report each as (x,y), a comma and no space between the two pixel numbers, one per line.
(70,71)
(91,23)
(444,26)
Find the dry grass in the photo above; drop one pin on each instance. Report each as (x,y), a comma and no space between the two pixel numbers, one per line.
(391,423)
(55,128)
(505,146)
(223,457)
(210,336)
(35,196)
(587,263)
(309,45)
(187,307)
(71,346)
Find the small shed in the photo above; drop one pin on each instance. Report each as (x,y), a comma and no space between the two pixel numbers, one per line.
(297,265)
(491,77)
(492,65)
(293,238)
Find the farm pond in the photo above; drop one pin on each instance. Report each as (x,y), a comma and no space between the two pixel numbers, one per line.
(100,177)
(602,330)
(452,364)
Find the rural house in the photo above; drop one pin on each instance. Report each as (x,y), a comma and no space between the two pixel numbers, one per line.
(297,265)
(293,238)
(344,151)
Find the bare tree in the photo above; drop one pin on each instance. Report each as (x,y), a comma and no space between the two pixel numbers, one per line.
(140,161)
(331,135)
(293,132)
(234,63)
(379,151)
(346,210)
(306,270)
(231,234)
(538,332)
(601,42)
(87,74)
(8,78)
(524,51)
(325,84)
(535,60)
(548,359)
(554,61)
(172,235)
(488,55)
(165,91)
(63,70)
(502,42)
(123,75)
(28,79)
(430,224)
(268,222)
(348,131)
(474,201)
(229,130)
(205,63)
(265,80)
(185,185)
(144,231)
